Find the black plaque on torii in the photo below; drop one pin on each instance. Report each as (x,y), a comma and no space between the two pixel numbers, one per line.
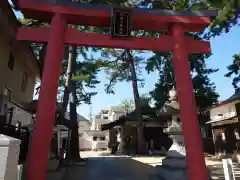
(121,22)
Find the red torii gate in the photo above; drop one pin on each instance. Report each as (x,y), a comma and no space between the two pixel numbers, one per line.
(63,12)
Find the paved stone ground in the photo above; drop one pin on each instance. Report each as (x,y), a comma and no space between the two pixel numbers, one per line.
(110,168)
(101,166)
(217,169)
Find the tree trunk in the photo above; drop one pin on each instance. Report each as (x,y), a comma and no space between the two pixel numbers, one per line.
(74,143)
(66,92)
(41,58)
(67,83)
(141,142)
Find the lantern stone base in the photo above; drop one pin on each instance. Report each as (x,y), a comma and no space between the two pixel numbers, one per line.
(174,166)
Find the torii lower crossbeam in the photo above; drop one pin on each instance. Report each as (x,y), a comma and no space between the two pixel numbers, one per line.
(77,38)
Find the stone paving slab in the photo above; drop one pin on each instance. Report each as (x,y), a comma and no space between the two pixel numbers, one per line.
(110,168)
(99,167)
(55,175)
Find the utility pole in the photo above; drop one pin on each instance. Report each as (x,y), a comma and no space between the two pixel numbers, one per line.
(90,115)
(90,112)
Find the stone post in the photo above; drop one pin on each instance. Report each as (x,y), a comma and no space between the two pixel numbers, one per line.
(9,154)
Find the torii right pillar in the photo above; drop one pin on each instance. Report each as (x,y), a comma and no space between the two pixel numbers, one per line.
(188,112)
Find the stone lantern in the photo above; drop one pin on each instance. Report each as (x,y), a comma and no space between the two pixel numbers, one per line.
(173,94)
(174,166)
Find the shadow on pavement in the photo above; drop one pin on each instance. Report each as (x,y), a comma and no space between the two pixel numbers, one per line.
(110,168)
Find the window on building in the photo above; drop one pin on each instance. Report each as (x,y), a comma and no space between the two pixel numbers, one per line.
(102,138)
(8,93)
(236,134)
(223,136)
(98,127)
(203,132)
(33,118)
(114,118)
(209,132)
(24,82)
(178,120)
(99,138)
(11,60)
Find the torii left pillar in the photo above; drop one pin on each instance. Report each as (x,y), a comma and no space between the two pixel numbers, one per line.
(42,134)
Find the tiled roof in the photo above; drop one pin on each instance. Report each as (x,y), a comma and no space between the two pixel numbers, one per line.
(79,117)
(232,98)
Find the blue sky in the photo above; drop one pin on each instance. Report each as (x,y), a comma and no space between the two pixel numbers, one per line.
(223,48)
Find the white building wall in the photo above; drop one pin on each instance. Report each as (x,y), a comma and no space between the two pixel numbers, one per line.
(83,126)
(22,116)
(87,141)
(225,111)
(18,114)
(107,115)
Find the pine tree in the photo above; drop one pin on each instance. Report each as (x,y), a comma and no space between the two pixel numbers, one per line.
(204,89)
(234,71)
